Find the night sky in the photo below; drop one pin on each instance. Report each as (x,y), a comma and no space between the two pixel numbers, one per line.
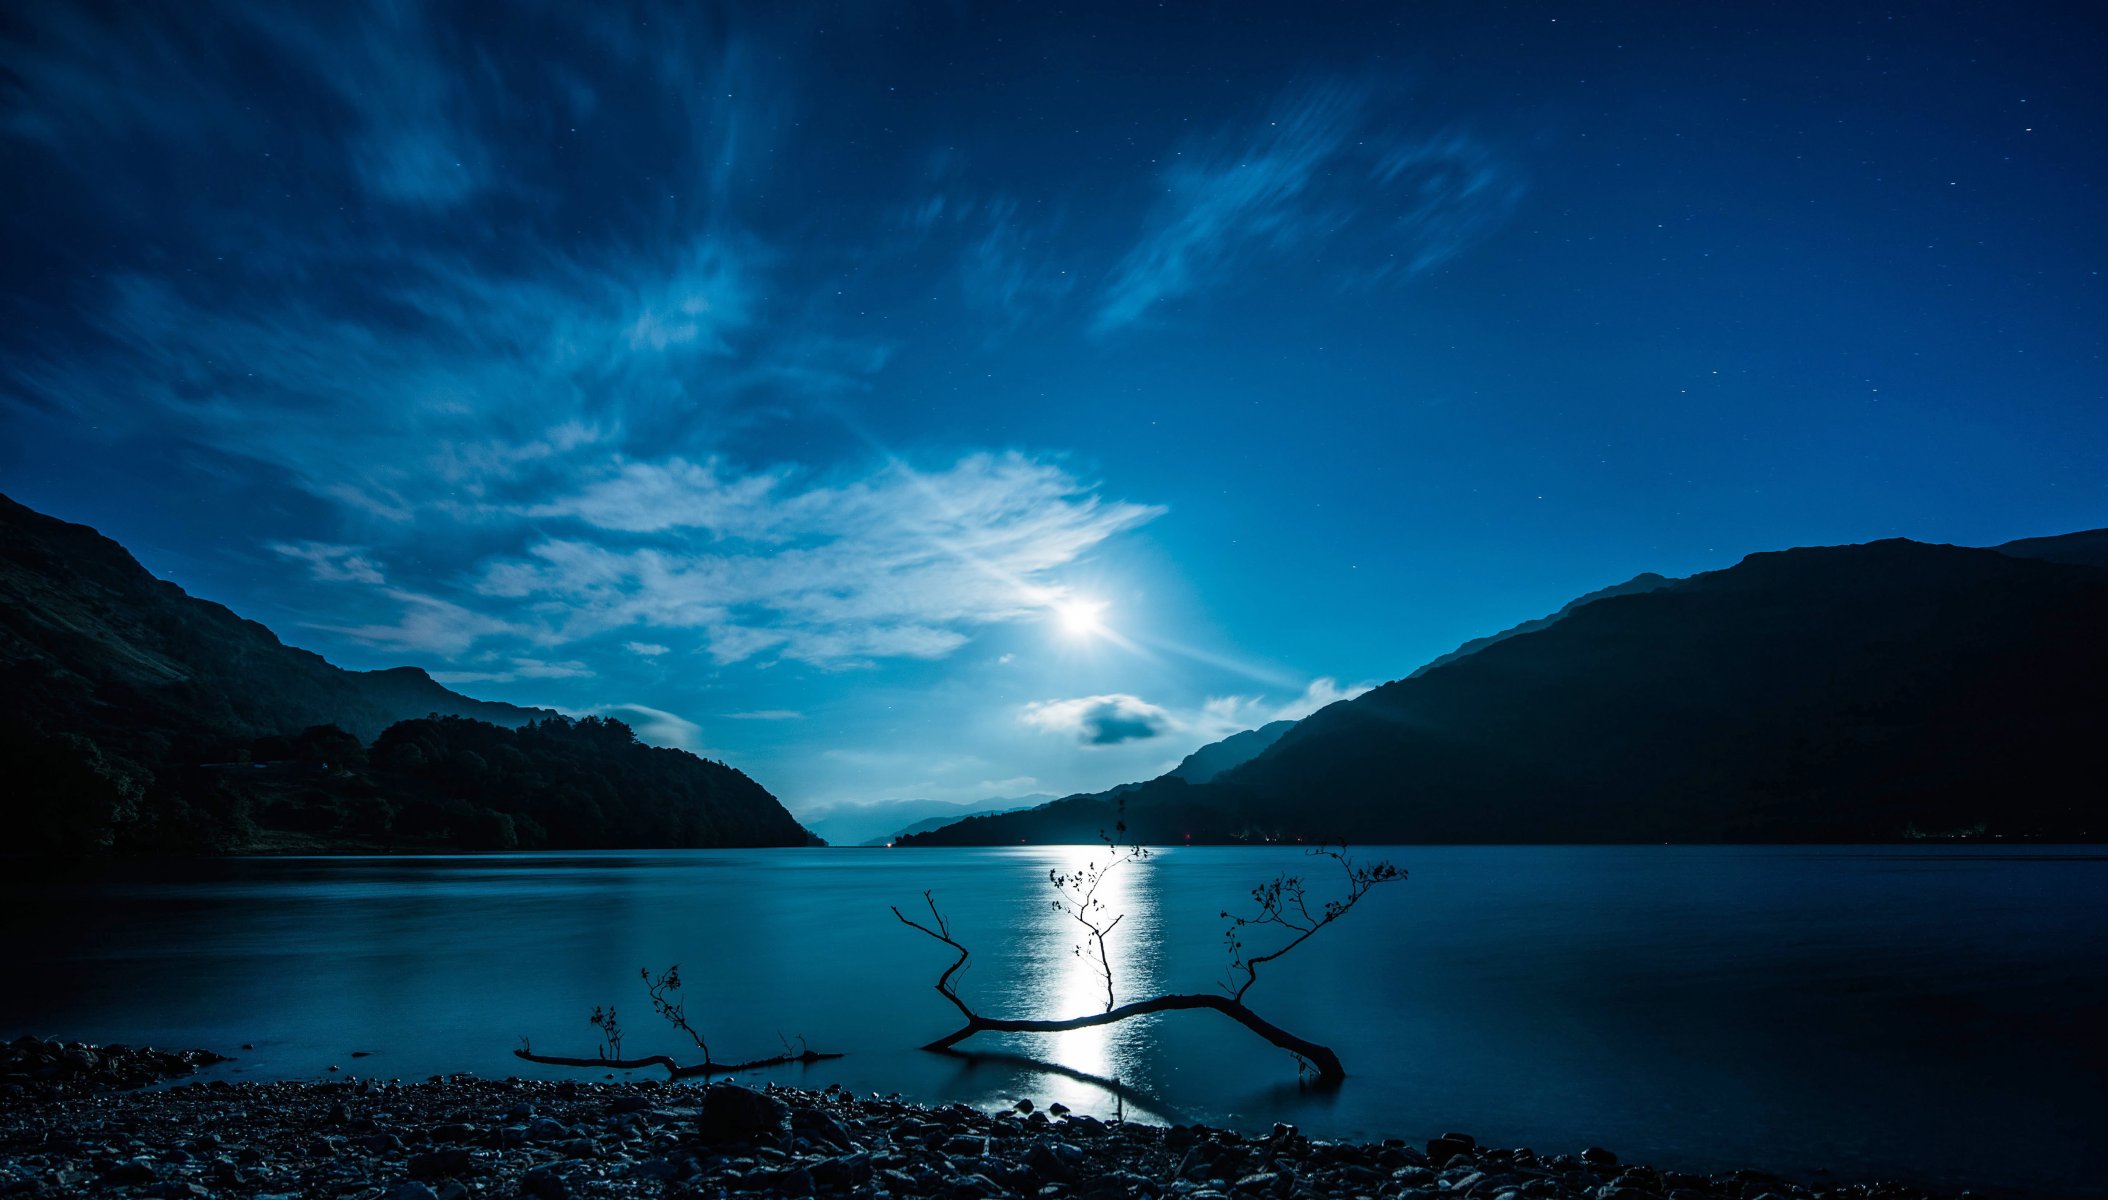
(967,400)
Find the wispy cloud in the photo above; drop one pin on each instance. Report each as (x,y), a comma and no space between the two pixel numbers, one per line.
(898,564)
(332,564)
(1221,716)
(648,497)
(1007,270)
(399,361)
(415,142)
(1321,692)
(656,725)
(767,714)
(518,668)
(428,625)
(1325,165)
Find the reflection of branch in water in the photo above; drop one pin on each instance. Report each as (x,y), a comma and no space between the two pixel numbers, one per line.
(1307,1091)
(1126,1093)
(1285,902)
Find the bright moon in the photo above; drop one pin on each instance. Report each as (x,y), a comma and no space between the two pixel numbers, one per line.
(1080,618)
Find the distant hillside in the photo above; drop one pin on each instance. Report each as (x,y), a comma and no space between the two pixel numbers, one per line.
(929,823)
(1215,758)
(585,784)
(1648,582)
(1233,751)
(2089,548)
(136,717)
(1090,812)
(1845,693)
(876,822)
(91,642)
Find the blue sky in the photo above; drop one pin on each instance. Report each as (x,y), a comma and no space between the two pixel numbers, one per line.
(961,400)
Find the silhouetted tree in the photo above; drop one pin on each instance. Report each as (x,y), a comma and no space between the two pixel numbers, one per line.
(73,797)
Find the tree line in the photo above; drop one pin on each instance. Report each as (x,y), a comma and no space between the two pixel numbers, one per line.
(434,782)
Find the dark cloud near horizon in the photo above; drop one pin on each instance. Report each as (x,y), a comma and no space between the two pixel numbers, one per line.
(1109,725)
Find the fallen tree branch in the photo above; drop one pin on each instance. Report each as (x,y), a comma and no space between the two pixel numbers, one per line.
(1281,902)
(674,1070)
(1324,1062)
(666,1000)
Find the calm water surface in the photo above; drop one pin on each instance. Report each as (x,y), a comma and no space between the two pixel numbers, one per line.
(1937,1014)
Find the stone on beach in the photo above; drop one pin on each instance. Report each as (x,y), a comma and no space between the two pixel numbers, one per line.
(458,1137)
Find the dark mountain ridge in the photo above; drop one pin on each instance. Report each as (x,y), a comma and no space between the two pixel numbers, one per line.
(2086,548)
(134,716)
(1645,582)
(91,640)
(1082,815)
(1845,693)
(1233,751)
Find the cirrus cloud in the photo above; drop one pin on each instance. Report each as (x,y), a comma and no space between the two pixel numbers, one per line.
(899,564)
(1328,164)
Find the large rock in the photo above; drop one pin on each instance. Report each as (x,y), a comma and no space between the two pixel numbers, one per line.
(735,1114)
(1440,1150)
(438,1164)
(545,1183)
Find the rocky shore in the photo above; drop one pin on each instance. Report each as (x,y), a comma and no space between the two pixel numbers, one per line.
(37,1069)
(459,1137)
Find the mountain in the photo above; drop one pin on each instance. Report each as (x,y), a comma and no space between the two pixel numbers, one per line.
(136,717)
(1843,693)
(1647,582)
(2089,548)
(876,822)
(1215,758)
(1233,751)
(1082,816)
(929,823)
(92,642)
(587,784)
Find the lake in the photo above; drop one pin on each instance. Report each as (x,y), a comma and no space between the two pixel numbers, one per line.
(1939,1014)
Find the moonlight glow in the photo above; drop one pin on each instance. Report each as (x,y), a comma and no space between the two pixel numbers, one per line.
(1081,618)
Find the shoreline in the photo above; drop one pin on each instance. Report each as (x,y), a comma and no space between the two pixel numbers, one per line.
(459,1136)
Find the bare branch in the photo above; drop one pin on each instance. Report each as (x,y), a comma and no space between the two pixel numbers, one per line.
(666,1000)
(1284,902)
(943,933)
(1275,898)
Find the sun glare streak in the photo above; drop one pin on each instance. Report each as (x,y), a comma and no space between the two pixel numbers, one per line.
(1251,671)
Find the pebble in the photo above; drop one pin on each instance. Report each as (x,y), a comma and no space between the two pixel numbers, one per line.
(459,1138)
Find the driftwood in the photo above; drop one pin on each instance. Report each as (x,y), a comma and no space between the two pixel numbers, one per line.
(667,1001)
(1282,902)
(674,1070)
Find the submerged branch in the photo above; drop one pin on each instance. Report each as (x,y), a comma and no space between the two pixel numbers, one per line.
(674,1070)
(666,1000)
(1322,1060)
